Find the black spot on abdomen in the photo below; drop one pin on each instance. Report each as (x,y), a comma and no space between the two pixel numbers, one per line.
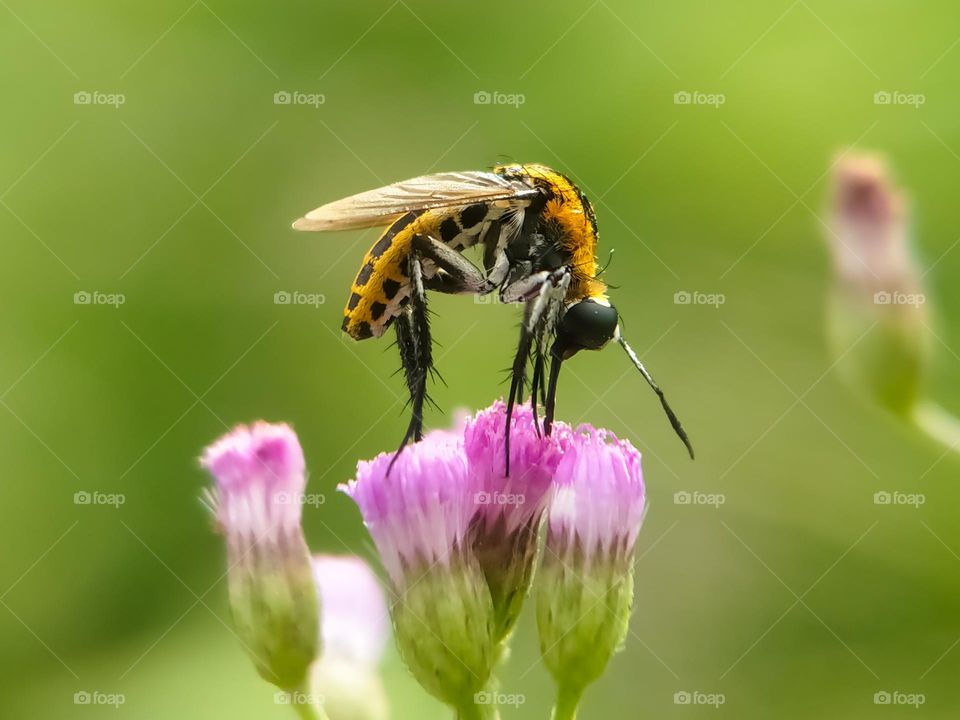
(449,229)
(364,275)
(383,244)
(376,310)
(390,288)
(472,215)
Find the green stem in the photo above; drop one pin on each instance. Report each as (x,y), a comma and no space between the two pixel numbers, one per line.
(302,702)
(938,424)
(568,700)
(473,710)
(477,712)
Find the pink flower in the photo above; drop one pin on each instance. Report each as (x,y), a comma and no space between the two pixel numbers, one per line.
(868,230)
(355,622)
(509,509)
(354,631)
(259,474)
(599,500)
(585,585)
(259,482)
(418,516)
(516,500)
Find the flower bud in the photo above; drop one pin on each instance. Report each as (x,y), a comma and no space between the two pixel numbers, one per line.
(419,515)
(259,480)
(504,533)
(585,588)
(877,312)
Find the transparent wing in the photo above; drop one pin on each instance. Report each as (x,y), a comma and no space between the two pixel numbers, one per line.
(427,192)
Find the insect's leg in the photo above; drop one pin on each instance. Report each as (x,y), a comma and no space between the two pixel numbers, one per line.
(517,374)
(495,260)
(459,274)
(416,350)
(407,345)
(538,317)
(551,401)
(537,385)
(525,288)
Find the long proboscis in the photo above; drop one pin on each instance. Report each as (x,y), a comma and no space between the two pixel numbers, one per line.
(671,415)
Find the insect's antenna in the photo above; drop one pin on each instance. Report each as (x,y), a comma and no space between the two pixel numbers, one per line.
(602,270)
(674,421)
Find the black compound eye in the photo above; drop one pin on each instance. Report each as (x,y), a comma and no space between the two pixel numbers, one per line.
(588,325)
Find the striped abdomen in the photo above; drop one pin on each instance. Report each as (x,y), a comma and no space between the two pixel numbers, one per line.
(382,287)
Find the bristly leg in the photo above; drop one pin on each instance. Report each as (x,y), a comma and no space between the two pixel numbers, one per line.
(537,386)
(551,402)
(539,319)
(416,352)
(518,377)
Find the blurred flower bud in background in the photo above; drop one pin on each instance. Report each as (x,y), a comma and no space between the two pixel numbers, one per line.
(257,502)
(354,631)
(877,309)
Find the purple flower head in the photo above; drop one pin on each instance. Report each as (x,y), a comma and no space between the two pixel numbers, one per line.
(355,623)
(259,474)
(592,529)
(599,499)
(259,477)
(520,498)
(419,514)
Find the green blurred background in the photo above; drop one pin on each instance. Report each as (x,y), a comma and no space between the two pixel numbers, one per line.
(798,596)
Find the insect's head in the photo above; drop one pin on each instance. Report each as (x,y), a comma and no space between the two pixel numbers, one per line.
(587,324)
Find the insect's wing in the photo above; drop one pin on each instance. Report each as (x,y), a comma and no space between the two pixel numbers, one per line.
(384,205)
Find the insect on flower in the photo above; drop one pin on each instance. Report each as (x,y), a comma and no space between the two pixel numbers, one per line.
(538,235)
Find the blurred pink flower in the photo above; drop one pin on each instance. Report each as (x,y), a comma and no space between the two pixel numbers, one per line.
(869,231)
(355,623)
